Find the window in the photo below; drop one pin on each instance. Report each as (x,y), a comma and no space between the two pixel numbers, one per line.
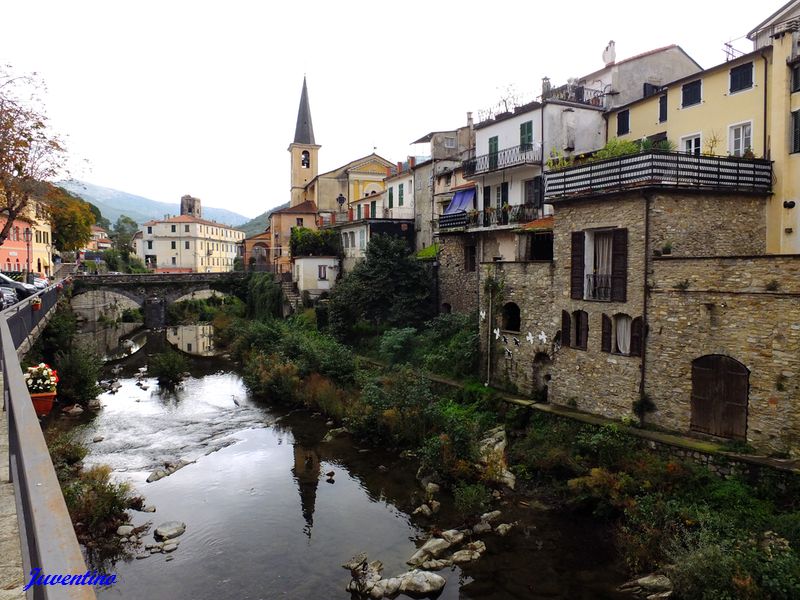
(662,109)
(796,78)
(186,229)
(186,245)
(149,244)
(322,272)
(174,261)
(449,142)
(526,134)
(362,239)
(15,235)
(493,149)
(299,222)
(623,122)
(692,93)
(533,192)
(172,228)
(599,265)
(741,77)
(149,230)
(581,320)
(539,246)
(400,194)
(305,159)
(391,197)
(352,239)
(796,131)
(373,207)
(345,240)
(691,145)
(511,319)
(739,139)
(173,245)
(358,211)
(470,255)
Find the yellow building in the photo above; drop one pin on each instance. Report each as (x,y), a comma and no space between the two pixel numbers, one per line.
(746,107)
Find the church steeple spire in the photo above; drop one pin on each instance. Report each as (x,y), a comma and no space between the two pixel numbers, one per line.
(304,130)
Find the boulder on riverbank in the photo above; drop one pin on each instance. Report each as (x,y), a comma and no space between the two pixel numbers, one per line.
(169,469)
(170,529)
(367,582)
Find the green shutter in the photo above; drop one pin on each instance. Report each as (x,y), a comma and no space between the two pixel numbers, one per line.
(493,148)
(372,208)
(391,197)
(526,133)
(358,211)
(400,195)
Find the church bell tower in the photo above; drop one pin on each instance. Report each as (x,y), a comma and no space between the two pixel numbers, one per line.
(303,150)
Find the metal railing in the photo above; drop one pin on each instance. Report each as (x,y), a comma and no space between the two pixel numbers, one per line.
(47,538)
(526,154)
(510,215)
(575,93)
(662,169)
(598,287)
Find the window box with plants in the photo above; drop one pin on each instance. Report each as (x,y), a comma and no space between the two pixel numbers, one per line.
(42,381)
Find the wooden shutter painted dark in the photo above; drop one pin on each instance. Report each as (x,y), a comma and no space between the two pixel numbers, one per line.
(583,318)
(504,193)
(605,338)
(487,196)
(565,329)
(577,268)
(619,266)
(637,336)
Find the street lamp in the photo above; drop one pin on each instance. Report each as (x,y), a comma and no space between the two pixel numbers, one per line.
(27,236)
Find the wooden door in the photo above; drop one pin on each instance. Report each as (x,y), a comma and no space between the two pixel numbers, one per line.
(720,387)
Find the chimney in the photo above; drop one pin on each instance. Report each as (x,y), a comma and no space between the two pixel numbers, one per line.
(545,87)
(411,162)
(388,171)
(469,120)
(399,167)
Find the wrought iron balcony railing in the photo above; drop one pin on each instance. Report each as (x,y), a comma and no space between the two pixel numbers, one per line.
(526,154)
(598,287)
(661,169)
(511,215)
(575,93)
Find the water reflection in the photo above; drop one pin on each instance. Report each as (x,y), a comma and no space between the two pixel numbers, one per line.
(197,340)
(112,342)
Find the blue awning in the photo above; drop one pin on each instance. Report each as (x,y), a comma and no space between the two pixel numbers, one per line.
(461,202)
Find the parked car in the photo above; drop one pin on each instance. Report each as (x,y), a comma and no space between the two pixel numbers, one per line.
(40,283)
(9,296)
(23,289)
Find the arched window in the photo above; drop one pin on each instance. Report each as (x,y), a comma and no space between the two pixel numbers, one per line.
(511,320)
(352,239)
(305,159)
(15,235)
(346,240)
(581,320)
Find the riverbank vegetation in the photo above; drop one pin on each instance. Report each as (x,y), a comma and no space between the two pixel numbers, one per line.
(205,310)
(168,368)
(96,505)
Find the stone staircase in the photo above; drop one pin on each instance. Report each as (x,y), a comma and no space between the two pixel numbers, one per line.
(292,297)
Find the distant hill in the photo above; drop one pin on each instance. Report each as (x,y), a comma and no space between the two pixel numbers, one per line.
(259,223)
(113,203)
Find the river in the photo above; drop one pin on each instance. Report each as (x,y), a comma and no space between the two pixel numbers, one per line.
(263,520)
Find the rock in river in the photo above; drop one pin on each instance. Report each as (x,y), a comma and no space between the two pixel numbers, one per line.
(170,529)
(421,582)
(125,530)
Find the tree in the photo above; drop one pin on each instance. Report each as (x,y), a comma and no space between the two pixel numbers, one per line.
(99,219)
(310,242)
(122,235)
(389,287)
(70,217)
(29,151)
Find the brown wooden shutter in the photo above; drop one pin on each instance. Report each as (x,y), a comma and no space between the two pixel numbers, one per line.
(583,319)
(577,268)
(619,266)
(637,336)
(565,329)
(605,340)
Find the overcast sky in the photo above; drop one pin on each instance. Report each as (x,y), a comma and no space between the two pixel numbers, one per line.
(165,98)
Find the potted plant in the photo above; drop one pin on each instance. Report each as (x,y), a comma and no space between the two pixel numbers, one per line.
(42,380)
(666,249)
(36,303)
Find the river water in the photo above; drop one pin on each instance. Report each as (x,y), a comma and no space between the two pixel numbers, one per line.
(263,520)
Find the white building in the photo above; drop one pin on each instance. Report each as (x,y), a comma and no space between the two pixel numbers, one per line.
(315,274)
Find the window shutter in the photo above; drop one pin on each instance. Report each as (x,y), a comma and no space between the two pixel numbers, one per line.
(565,329)
(487,196)
(605,340)
(577,268)
(504,193)
(582,319)
(637,335)
(619,265)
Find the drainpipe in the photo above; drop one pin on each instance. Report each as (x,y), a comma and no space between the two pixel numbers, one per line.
(646,291)
(766,72)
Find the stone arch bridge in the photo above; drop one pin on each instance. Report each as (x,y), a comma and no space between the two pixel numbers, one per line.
(152,292)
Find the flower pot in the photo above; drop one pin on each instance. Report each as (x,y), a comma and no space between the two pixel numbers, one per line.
(43,403)
(36,305)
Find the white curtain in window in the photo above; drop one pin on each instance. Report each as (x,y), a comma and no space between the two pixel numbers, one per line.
(623,326)
(602,253)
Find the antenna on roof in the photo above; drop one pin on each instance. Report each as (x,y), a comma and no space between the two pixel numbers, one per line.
(730,51)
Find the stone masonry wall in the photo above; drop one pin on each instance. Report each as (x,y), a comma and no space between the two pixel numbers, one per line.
(727,310)
(525,365)
(592,380)
(457,287)
(708,224)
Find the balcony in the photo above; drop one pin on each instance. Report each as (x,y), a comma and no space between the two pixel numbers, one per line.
(575,93)
(527,154)
(661,169)
(598,287)
(351,215)
(481,219)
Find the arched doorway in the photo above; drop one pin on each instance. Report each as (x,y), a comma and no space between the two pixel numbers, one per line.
(720,386)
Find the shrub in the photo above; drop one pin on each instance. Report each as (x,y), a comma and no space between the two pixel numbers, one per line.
(270,376)
(264,297)
(168,367)
(396,345)
(606,445)
(471,499)
(79,370)
(132,315)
